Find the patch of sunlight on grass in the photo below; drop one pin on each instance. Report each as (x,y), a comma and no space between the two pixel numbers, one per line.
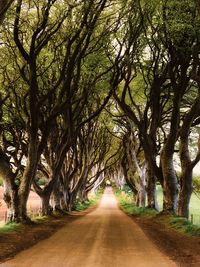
(10,227)
(2,223)
(39,219)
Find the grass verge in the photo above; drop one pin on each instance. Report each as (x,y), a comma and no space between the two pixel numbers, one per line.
(180,224)
(91,202)
(10,227)
(184,226)
(126,204)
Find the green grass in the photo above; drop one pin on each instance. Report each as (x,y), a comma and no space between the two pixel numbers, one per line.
(127,205)
(83,205)
(39,219)
(134,210)
(194,205)
(182,225)
(10,227)
(93,200)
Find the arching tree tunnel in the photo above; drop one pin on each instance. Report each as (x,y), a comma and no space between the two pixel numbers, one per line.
(95,90)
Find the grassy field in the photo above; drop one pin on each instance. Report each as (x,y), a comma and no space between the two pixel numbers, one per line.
(194,205)
(195,209)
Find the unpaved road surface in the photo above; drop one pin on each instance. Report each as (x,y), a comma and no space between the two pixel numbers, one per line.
(105,237)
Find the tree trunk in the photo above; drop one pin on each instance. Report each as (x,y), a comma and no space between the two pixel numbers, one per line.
(45,194)
(16,198)
(137,199)
(71,201)
(10,188)
(64,200)
(171,188)
(185,193)
(152,192)
(186,174)
(142,197)
(11,199)
(84,195)
(46,208)
(187,164)
(56,197)
(24,188)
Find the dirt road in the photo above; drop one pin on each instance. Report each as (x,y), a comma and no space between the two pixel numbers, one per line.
(105,237)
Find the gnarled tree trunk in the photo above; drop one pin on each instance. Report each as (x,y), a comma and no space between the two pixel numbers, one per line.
(185,192)
(187,164)
(171,187)
(10,188)
(151,191)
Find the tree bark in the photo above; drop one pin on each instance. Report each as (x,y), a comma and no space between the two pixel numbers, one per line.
(56,197)
(11,199)
(185,192)
(151,191)
(27,179)
(10,188)
(46,208)
(187,164)
(171,189)
(71,201)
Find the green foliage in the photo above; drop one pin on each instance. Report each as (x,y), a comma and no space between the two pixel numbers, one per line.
(127,190)
(182,26)
(1,181)
(41,182)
